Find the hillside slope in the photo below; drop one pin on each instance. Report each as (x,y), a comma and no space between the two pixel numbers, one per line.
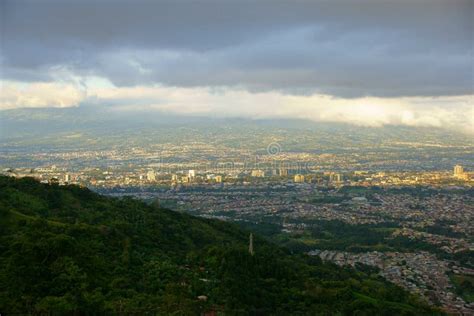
(68,250)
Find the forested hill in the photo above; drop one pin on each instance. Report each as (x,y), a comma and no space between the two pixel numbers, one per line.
(67,250)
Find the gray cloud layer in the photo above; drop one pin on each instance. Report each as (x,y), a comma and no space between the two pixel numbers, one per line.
(341,48)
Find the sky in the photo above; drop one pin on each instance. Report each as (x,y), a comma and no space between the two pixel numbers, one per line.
(361,62)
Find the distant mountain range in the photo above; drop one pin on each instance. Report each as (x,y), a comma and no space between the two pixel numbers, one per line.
(24,124)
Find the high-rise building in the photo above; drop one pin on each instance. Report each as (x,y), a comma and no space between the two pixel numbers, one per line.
(299,178)
(67,177)
(191,174)
(335,177)
(150,175)
(218,179)
(258,173)
(458,171)
(284,172)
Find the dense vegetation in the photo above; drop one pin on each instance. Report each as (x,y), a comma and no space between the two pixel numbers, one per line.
(66,250)
(464,285)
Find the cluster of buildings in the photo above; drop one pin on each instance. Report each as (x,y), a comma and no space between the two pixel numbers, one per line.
(460,174)
(136,175)
(445,243)
(421,273)
(309,201)
(414,211)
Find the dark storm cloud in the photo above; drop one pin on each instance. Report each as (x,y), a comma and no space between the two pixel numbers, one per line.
(343,48)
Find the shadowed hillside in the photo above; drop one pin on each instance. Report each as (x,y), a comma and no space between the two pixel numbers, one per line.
(68,250)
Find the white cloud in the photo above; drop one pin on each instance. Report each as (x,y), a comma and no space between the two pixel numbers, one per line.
(39,94)
(453,112)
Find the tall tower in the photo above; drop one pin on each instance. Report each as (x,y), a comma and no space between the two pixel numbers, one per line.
(251,244)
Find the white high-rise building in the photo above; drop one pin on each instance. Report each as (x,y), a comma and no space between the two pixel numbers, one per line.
(299,178)
(191,174)
(150,175)
(458,171)
(335,177)
(258,173)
